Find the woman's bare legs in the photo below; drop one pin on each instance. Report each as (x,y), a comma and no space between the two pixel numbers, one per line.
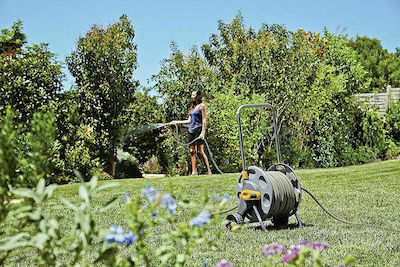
(193,153)
(200,150)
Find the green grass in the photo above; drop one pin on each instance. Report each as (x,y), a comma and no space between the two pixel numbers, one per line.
(366,194)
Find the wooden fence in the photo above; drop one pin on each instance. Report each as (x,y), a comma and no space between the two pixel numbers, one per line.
(380,101)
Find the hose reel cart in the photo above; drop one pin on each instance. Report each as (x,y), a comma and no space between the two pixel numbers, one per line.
(273,195)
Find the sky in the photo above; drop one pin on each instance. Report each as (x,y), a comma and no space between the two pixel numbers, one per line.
(157,23)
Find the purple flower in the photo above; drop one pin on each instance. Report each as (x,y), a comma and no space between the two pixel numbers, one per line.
(170,203)
(120,237)
(226,161)
(273,249)
(314,245)
(202,219)
(292,253)
(126,196)
(150,193)
(224,263)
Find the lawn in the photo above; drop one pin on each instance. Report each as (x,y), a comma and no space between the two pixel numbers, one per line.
(366,194)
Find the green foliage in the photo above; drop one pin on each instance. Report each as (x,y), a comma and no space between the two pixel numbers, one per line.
(175,157)
(41,231)
(308,78)
(127,165)
(27,157)
(11,41)
(8,160)
(374,134)
(179,76)
(382,67)
(103,65)
(152,165)
(30,77)
(140,138)
(222,133)
(392,121)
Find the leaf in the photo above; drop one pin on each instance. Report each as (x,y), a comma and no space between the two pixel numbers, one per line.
(109,204)
(69,204)
(83,192)
(49,190)
(79,175)
(20,210)
(93,182)
(40,186)
(12,243)
(108,255)
(39,240)
(180,258)
(25,192)
(106,186)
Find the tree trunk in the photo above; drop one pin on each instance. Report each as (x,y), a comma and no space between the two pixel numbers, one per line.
(112,164)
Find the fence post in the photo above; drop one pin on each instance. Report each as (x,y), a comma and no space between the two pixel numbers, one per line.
(389,96)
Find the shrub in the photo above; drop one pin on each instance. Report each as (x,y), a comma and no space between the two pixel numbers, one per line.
(152,165)
(374,134)
(392,121)
(127,165)
(393,150)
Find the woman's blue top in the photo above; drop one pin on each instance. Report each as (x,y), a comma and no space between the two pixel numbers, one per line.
(195,119)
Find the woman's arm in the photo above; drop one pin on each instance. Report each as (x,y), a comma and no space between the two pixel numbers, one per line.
(204,121)
(180,122)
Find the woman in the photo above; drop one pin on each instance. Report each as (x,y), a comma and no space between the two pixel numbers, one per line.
(197,121)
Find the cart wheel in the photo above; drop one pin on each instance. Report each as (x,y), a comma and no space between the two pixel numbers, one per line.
(280,221)
(233,219)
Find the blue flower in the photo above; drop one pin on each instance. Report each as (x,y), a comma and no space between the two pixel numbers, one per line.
(215,197)
(130,238)
(155,214)
(202,219)
(120,237)
(204,263)
(170,203)
(116,229)
(225,199)
(150,193)
(126,196)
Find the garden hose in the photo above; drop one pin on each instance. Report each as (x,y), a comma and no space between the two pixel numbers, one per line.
(205,141)
(284,198)
(215,213)
(345,221)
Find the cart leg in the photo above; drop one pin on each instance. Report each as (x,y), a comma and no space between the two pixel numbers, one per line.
(298,221)
(259,218)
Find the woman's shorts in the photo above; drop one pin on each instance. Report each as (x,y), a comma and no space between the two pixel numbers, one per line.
(194,135)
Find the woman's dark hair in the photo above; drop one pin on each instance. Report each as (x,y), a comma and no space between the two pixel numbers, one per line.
(199,98)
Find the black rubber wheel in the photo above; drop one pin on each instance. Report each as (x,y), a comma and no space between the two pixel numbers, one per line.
(280,221)
(233,219)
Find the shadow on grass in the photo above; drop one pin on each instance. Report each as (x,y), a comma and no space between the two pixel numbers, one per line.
(290,226)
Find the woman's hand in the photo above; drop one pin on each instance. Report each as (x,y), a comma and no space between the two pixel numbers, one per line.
(201,136)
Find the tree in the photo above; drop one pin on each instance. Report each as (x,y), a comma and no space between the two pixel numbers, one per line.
(383,67)
(30,77)
(103,65)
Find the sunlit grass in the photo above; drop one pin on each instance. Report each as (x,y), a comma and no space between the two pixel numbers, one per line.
(366,194)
